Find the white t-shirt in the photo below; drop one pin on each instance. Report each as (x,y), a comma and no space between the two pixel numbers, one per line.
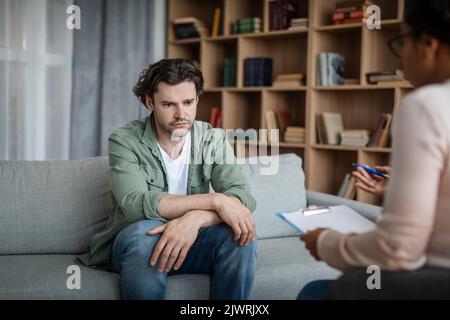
(177,169)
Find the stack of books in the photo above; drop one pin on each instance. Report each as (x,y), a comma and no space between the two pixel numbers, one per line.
(189,27)
(258,72)
(247,25)
(294,135)
(329,127)
(281,13)
(330,69)
(215,118)
(229,72)
(353,11)
(299,24)
(386,76)
(292,80)
(355,137)
(380,136)
(347,189)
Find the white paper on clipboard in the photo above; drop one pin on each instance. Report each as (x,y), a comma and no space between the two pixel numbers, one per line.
(341,218)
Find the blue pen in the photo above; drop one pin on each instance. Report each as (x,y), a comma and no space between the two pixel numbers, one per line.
(371,170)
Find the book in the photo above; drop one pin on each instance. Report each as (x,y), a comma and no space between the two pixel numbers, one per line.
(216,22)
(215,111)
(271,123)
(284,117)
(294,134)
(380,135)
(351,189)
(355,137)
(385,132)
(331,126)
(344,185)
(229,74)
(289,80)
(330,69)
(384,76)
(336,62)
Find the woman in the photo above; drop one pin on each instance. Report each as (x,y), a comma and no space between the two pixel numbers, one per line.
(414,231)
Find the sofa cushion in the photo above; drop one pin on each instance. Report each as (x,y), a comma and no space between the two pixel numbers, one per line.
(52,206)
(283,268)
(284,190)
(44,277)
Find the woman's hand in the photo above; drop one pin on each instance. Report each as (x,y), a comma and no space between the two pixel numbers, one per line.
(310,239)
(370,182)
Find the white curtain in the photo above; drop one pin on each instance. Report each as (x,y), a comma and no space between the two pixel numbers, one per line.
(35,79)
(44,112)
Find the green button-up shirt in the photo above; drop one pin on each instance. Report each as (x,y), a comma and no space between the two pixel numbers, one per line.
(139,179)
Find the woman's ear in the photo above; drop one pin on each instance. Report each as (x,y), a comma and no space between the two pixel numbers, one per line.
(431,45)
(149,103)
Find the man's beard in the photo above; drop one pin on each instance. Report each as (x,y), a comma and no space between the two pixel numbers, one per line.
(175,134)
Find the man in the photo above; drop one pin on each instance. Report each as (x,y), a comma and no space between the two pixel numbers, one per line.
(164,220)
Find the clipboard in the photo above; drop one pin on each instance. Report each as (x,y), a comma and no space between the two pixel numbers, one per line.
(340,218)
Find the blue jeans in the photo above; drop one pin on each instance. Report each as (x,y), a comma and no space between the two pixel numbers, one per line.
(314,290)
(214,252)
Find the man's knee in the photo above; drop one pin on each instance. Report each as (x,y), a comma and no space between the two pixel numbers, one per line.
(225,235)
(134,236)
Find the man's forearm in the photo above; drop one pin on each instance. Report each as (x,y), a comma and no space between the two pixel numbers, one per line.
(173,206)
(206,218)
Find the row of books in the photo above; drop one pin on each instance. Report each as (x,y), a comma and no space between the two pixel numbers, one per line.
(350,11)
(247,25)
(330,68)
(330,131)
(189,27)
(291,80)
(281,13)
(258,72)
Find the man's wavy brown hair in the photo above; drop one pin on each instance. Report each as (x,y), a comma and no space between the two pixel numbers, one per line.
(170,71)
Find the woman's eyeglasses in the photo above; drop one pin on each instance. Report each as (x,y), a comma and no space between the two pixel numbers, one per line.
(396,44)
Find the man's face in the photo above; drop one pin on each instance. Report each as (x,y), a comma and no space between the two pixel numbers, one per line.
(175,107)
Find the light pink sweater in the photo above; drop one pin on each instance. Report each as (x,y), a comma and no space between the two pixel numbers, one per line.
(415,227)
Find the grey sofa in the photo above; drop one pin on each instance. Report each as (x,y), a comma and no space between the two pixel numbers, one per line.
(49,211)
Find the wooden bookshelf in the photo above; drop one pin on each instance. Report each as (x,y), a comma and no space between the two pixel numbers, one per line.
(361,105)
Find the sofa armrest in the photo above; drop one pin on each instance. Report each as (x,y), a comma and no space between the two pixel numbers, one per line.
(369,211)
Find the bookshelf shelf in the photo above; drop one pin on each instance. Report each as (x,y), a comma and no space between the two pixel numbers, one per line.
(186,41)
(351,148)
(287,89)
(280,144)
(339,27)
(363,87)
(295,51)
(276,34)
